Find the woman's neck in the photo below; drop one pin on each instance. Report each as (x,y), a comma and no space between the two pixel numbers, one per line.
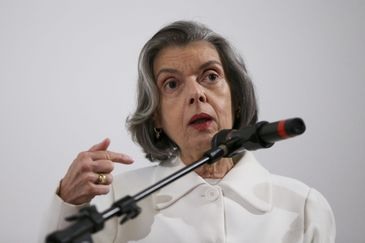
(217,170)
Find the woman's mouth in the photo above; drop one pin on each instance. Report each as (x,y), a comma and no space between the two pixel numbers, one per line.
(200,121)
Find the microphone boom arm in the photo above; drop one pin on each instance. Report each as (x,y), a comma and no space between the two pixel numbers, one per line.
(225,143)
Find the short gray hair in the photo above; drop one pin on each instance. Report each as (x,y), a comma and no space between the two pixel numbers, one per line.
(180,33)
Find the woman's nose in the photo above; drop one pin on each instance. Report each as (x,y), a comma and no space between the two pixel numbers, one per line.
(196,93)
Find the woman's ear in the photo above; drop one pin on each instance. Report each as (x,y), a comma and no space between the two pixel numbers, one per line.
(157,125)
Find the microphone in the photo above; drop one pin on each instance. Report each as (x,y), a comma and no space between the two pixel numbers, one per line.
(262,135)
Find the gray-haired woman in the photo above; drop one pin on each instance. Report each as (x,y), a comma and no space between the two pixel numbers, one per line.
(191,85)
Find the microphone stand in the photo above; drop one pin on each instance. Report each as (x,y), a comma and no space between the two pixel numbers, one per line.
(89,220)
(225,144)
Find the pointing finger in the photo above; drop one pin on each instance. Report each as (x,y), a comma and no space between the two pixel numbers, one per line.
(112,156)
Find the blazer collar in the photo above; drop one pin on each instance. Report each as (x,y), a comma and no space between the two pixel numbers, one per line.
(248,184)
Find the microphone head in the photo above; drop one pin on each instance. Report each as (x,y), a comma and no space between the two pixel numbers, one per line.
(262,135)
(283,129)
(295,126)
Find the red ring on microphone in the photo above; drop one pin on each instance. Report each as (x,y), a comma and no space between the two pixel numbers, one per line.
(281,129)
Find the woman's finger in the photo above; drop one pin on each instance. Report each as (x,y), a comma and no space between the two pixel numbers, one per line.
(112,156)
(102,166)
(103,145)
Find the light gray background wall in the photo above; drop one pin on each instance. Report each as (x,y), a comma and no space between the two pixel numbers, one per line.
(67,80)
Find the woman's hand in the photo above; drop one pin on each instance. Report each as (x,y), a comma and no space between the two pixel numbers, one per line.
(90,174)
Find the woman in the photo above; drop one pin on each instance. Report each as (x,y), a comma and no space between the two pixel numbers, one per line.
(191,85)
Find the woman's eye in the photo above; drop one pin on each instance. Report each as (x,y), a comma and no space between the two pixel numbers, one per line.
(170,85)
(211,77)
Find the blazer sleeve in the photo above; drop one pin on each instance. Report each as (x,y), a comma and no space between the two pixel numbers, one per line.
(54,217)
(319,221)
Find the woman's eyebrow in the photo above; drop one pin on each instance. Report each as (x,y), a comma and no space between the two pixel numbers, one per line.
(210,63)
(166,70)
(174,71)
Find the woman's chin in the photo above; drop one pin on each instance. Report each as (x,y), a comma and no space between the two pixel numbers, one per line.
(200,144)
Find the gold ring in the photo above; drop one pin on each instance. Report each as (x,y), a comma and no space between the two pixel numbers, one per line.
(101,179)
(107,156)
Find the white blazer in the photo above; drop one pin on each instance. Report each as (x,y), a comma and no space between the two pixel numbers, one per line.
(248,205)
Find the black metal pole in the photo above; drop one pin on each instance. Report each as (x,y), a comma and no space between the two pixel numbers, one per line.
(89,221)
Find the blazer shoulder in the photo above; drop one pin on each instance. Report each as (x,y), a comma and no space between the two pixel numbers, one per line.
(291,187)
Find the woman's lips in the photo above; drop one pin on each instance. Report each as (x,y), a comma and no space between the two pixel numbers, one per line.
(201,121)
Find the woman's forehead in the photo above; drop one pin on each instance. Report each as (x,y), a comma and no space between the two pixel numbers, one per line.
(193,54)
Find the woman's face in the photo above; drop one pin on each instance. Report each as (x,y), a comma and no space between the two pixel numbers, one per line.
(195,97)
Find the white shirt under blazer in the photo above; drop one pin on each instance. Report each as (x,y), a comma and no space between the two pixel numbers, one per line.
(248,205)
